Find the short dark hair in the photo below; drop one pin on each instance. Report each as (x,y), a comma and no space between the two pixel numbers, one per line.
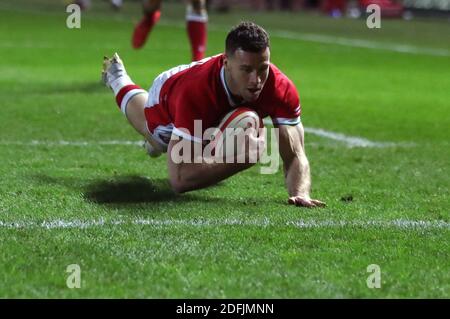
(247,36)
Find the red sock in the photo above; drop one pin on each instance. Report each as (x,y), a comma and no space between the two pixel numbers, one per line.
(197,37)
(144,27)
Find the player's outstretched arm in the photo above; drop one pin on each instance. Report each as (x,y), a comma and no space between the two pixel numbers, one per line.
(296,166)
(191,175)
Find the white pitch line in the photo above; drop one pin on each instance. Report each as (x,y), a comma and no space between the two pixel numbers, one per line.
(308,37)
(327,39)
(303,224)
(70,143)
(350,141)
(360,43)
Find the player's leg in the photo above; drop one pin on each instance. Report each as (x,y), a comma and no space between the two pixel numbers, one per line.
(152,13)
(134,113)
(197,20)
(130,98)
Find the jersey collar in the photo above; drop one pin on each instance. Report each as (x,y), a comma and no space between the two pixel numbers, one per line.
(225,86)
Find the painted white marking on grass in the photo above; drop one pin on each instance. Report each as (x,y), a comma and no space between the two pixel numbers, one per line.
(360,43)
(70,143)
(265,222)
(84,143)
(327,39)
(309,37)
(397,223)
(350,141)
(29,44)
(317,38)
(71,224)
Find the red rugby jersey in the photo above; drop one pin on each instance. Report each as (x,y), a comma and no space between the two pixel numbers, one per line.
(197,91)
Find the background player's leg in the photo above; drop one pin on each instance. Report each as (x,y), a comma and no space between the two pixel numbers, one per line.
(117,4)
(197,19)
(152,13)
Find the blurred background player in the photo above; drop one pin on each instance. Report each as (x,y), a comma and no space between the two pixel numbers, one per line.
(196,20)
(117,4)
(85,4)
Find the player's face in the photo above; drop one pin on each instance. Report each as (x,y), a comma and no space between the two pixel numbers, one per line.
(247,73)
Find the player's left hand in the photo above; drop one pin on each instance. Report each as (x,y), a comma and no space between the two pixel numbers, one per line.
(305,201)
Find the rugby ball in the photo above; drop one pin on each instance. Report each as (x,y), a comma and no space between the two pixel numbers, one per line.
(225,138)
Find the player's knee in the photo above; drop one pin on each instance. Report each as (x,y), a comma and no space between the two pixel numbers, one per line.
(152,5)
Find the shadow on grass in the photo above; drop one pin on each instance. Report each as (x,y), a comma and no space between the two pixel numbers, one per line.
(130,189)
(125,190)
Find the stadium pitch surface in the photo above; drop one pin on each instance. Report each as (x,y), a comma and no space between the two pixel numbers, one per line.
(76,188)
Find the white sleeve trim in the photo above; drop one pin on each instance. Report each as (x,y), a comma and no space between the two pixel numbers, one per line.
(183,134)
(286,121)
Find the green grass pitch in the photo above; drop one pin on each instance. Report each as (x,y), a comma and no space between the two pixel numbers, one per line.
(108,207)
